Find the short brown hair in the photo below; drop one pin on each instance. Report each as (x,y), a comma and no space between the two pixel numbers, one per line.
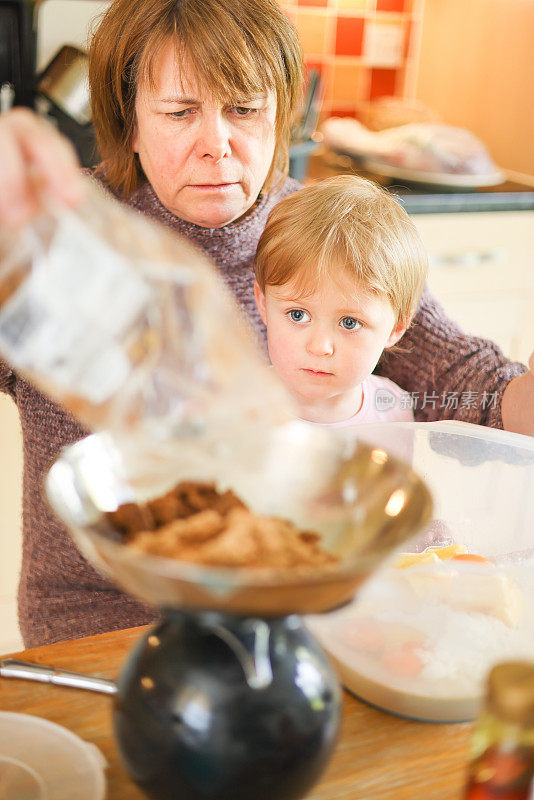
(346,223)
(237,48)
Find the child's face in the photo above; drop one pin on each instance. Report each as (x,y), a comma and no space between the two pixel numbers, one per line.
(326,343)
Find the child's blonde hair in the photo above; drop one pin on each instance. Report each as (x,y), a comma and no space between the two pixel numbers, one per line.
(344,223)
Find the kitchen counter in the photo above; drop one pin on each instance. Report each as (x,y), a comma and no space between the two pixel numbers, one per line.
(378,756)
(508,196)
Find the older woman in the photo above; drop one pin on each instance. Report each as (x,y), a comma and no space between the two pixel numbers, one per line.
(192,103)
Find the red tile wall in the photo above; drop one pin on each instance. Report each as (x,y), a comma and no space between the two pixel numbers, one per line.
(364,49)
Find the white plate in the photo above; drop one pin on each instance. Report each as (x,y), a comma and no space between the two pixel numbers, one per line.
(434,178)
(40,760)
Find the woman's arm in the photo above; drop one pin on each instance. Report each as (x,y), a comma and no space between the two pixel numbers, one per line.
(7,379)
(451,375)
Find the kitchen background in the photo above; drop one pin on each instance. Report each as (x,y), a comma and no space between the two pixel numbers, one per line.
(472,62)
(472,65)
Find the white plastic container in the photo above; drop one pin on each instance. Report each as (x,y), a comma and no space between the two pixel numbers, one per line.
(419,640)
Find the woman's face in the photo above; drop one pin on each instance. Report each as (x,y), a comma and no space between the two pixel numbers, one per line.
(206,161)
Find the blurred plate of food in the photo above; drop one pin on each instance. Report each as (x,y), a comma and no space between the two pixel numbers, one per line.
(419,152)
(448,180)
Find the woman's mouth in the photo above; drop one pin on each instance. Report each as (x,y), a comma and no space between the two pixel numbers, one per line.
(212,187)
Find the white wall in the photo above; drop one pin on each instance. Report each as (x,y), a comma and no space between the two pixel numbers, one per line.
(62,22)
(476,67)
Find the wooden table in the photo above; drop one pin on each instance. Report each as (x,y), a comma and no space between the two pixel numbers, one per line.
(378,756)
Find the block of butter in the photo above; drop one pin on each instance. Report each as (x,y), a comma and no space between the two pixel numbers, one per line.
(485,590)
(492,593)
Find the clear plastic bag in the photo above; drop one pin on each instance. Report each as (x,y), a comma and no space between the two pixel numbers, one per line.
(129,327)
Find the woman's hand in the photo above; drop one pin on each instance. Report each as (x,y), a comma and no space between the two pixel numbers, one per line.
(518,402)
(34,159)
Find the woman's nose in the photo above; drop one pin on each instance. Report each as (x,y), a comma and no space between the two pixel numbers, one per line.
(214,138)
(320,342)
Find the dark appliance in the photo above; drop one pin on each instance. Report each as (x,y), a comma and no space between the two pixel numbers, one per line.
(18,48)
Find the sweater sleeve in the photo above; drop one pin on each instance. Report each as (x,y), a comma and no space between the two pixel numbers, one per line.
(449,374)
(7,378)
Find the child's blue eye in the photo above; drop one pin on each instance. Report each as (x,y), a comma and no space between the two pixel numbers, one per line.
(350,324)
(298,315)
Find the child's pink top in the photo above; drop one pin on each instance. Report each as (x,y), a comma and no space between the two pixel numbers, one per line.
(383,401)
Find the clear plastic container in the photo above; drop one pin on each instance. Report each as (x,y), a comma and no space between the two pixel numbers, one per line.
(424,631)
(40,760)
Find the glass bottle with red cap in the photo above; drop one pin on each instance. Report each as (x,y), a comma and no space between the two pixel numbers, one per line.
(502,753)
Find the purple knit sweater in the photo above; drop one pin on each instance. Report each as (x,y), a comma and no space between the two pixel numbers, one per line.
(60,595)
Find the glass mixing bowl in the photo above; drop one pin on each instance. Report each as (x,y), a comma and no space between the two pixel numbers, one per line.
(363,501)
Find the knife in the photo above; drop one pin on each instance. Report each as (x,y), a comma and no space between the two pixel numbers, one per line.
(12,668)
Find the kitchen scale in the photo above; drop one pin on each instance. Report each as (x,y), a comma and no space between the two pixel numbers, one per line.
(230,697)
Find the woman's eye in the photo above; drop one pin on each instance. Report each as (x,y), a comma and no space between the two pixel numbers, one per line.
(243,111)
(179,114)
(350,324)
(298,315)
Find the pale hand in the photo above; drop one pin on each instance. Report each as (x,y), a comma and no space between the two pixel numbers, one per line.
(518,403)
(34,158)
